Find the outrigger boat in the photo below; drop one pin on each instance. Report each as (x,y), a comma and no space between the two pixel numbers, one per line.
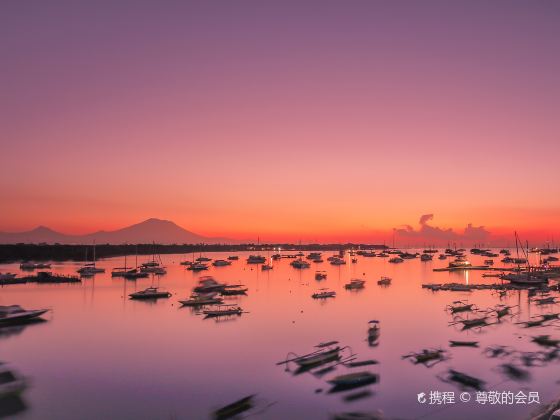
(323,294)
(320,358)
(223,310)
(14,313)
(150,293)
(460,306)
(353,380)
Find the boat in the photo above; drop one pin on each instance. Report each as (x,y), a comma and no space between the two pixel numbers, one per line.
(221,263)
(7,276)
(203,259)
(314,256)
(442,257)
(150,293)
(337,261)
(300,264)
(48,277)
(14,313)
(323,294)
(459,262)
(355,284)
(353,379)
(234,409)
(382,255)
(488,262)
(201,299)
(368,254)
(525,279)
(90,269)
(407,256)
(320,275)
(207,284)
(396,260)
(153,270)
(197,267)
(426,257)
(373,330)
(233,258)
(135,274)
(121,271)
(11,383)
(384,281)
(256,259)
(456,343)
(222,310)
(33,266)
(319,358)
(233,291)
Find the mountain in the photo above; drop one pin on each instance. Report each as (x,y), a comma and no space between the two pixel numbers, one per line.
(151,230)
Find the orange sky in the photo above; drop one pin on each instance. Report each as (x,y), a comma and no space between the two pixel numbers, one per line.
(282,121)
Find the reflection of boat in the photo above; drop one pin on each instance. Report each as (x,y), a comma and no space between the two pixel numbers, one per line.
(150,293)
(15,313)
(221,310)
(353,379)
(11,383)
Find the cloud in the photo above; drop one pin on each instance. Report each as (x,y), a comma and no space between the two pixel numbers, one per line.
(434,234)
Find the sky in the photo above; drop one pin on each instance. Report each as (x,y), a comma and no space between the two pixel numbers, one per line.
(291,120)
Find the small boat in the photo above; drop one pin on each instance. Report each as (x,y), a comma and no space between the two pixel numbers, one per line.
(186,262)
(221,263)
(7,276)
(89,270)
(455,343)
(320,275)
(355,284)
(382,255)
(299,263)
(11,383)
(203,259)
(459,263)
(426,257)
(135,274)
(256,259)
(235,408)
(396,260)
(384,281)
(373,330)
(233,291)
(152,269)
(314,256)
(197,267)
(150,293)
(15,313)
(442,257)
(323,294)
(266,267)
(465,380)
(488,262)
(207,284)
(368,254)
(320,358)
(233,258)
(337,261)
(353,379)
(201,299)
(33,266)
(222,310)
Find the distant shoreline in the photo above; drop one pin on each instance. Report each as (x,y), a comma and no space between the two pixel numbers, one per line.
(59,252)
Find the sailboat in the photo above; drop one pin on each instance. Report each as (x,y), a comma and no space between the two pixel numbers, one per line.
(154,265)
(89,269)
(135,273)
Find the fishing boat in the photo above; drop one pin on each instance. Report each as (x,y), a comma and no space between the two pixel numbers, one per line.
(319,358)
(337,261)
(234,409)
(233,291)
(233,258)
(266,267)
(396,260)
(384,281)
(355,284)
(201,299)
(222,310)
(459,262)
(150,293)
(11,382)
(300,264)
(456,343)
(525,279)
(373,330)
(320,275)
(15,313)
(314,256)
(353,379)
(221,263)
(323,294)
(426,257)
(256,259)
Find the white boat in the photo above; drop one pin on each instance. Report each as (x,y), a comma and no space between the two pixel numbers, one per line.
(323,294)
(15,313)
(223,310)
(207,284)
(459,263)
(89,269)
(150,293)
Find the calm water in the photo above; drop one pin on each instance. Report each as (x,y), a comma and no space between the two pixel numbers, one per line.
(101,355)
